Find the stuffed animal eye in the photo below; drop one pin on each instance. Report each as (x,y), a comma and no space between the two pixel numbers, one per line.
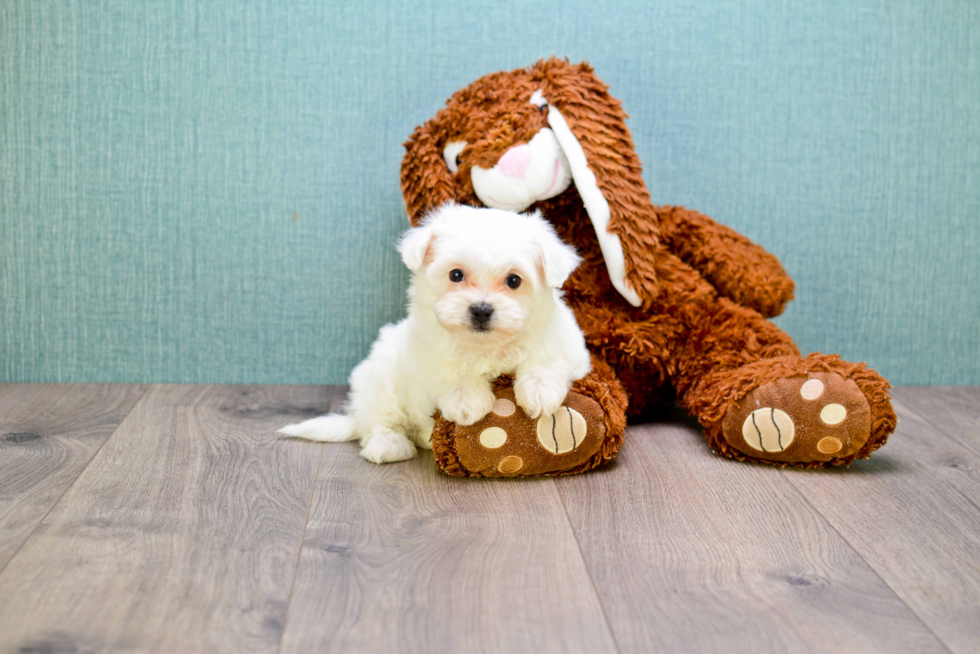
(513,281)
(456,275)
(451,154)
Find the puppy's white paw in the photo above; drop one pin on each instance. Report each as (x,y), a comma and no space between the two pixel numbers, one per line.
(466,404)
(386,446)
(540,394)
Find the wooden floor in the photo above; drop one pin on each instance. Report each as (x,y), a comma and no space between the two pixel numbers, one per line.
(172,519)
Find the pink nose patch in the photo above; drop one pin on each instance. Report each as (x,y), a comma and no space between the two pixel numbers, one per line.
(515,161)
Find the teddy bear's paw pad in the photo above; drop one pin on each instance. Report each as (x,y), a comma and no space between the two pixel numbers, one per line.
(562,431)
(817,417)
(507,443)
(768,430)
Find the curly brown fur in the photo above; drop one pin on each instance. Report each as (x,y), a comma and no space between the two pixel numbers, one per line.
(737,267)
(706,290)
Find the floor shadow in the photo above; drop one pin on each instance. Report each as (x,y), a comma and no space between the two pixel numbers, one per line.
(878,464)
(666,414)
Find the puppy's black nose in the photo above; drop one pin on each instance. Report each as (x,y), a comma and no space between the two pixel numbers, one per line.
(480,313)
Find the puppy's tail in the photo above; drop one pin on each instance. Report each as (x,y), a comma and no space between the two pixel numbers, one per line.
(332,428)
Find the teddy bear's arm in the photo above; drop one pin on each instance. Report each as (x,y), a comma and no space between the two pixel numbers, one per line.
(734,265)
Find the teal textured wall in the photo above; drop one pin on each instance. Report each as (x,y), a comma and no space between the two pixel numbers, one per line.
(202,191)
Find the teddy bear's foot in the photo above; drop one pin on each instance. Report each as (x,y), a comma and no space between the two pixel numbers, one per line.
(811,419)
(507,443)
(586,431)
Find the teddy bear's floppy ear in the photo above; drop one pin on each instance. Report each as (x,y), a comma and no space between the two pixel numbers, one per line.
(610,174)
(426,180)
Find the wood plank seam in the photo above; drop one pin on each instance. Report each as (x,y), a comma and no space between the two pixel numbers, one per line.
(779,571)
(348,578)
(77,477)
(588,569)
(302,539)
(938,426)
(861,556)
(184,535)
(299,553)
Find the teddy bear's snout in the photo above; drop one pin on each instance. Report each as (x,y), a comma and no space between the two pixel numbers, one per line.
(515,161)
(524,174)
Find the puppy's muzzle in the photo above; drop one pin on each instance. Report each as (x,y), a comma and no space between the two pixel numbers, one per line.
(480,315)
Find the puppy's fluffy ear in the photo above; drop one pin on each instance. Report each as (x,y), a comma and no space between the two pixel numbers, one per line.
(414,246)
(558,259)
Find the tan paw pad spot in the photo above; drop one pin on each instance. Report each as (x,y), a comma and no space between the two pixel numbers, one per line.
(504,407)
(829,445)
(493,437)
(562,432)
(833,414)
(768,430)
(510,464)
(811,389)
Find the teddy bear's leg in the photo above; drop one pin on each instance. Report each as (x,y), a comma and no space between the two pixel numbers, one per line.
(585,432)
(758,400)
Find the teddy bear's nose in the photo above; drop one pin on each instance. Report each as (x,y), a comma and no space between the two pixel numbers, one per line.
(515,161)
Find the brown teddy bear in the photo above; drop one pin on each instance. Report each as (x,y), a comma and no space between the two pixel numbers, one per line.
(672,303)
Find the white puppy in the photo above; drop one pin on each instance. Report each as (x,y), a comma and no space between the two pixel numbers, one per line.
(483,301)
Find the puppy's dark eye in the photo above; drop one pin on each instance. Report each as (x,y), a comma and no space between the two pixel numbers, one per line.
(456,275)
(513,281)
